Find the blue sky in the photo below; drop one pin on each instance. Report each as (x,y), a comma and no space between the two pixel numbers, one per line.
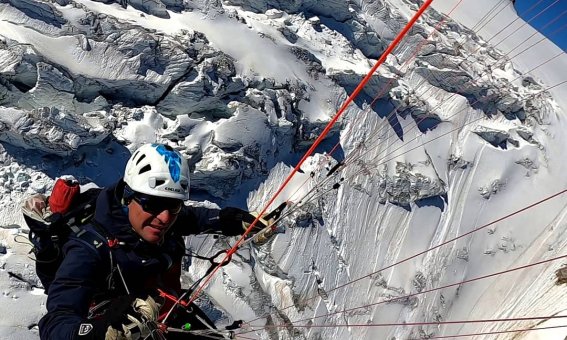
(557,10)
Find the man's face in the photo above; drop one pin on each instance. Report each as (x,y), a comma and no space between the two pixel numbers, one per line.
(151,216)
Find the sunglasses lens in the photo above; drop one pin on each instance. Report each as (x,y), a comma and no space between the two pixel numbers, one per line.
(175,207)
(156,205)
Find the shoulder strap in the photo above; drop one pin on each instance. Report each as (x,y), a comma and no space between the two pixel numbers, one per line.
(101,244)
(91,237)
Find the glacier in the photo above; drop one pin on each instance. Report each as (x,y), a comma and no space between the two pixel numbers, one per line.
(456,130)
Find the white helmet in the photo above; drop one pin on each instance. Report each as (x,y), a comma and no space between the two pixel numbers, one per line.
(158,170)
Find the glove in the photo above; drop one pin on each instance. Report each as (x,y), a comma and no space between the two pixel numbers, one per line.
(261,236)
(231,221)
(35,207)
(143,322)
(127,318)
(261,224)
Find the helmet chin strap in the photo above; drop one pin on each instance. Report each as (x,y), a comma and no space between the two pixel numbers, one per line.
(127,194)
(125,208)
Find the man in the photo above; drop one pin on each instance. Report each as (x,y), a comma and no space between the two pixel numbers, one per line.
(135,246)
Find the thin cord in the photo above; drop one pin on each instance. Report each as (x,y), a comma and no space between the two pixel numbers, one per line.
(291,324)
(420,323)
(493,333)
(432,248)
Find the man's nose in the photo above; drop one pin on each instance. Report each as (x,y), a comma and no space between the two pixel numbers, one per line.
(165,217)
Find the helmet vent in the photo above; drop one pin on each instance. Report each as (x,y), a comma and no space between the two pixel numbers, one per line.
(145,169)
(158,170)
(140,159)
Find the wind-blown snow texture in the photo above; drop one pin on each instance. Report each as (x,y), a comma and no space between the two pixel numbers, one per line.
(242,88)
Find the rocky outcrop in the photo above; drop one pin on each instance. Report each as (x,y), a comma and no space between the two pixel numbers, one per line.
(42,11)
(337,9)
(496,138)
(51,130)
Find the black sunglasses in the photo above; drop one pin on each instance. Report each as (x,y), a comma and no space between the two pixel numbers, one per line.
(156,205)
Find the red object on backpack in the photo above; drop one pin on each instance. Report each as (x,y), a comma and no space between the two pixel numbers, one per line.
(63,194)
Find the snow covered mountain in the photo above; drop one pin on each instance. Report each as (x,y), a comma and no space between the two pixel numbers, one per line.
(462,125)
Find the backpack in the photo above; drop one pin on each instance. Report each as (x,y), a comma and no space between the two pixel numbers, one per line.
(51,221)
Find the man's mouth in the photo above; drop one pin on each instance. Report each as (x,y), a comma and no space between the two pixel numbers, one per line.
(158,228)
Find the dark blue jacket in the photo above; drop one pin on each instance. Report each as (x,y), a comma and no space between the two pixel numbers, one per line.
(87,275)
